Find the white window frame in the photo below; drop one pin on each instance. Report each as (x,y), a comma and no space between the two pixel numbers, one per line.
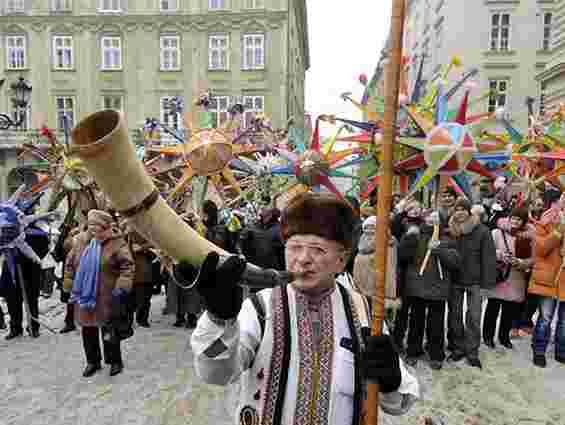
(167,50)
(498,43)
(219,108)
(15,6)
(110,6)
(109,100)
(494,102)
(252,111)
(223,52)
(56,64)
(542,97)
(256,62)
(65,110)
(107,66)
(216,4)
(9,49)
(168,119)
(547,28)
(61,5)
(254,4)
(172,5)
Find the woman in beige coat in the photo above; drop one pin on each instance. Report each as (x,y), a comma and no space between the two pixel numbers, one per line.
(100,271)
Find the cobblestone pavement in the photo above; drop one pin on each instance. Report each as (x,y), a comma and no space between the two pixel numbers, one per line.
(41,383)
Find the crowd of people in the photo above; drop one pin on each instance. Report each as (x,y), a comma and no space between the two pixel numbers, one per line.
(443,263)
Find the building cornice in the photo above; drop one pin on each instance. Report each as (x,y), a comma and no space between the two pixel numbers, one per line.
(265,19)
(552,72)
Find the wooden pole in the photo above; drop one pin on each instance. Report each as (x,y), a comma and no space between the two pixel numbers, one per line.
(392,80)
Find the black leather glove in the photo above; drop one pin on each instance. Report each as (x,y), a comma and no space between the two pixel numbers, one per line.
(219,285)
(380,362)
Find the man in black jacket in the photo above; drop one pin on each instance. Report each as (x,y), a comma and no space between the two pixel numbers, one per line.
(478,271)
(427,292)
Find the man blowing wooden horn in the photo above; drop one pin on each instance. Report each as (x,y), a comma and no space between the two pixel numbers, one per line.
(301,349)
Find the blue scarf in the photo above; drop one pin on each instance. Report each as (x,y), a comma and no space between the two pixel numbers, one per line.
(85,284)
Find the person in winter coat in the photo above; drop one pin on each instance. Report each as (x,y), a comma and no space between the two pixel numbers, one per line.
(261,244)
(140,301)
(548,282)
(216,232)
(409,217)
(364,268)
(428,292)
(514,251)
(31,273)
(99,274)
(477,271)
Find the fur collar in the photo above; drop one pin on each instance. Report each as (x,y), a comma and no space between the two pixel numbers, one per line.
(459,229)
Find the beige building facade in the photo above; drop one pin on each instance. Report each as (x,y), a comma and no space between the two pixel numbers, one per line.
(508,41)
(81,56)
(552,78)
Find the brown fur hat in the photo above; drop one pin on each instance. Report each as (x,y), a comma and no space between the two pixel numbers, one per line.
(319,214)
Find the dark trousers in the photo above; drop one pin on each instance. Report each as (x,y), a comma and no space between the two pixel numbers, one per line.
(91,344)
(70,314)
(426,316)
(510,312)
(527,310)
(466,334)
(401,322)
(140,302)
(15,300)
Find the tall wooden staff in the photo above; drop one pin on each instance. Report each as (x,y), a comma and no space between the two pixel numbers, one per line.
(392,78)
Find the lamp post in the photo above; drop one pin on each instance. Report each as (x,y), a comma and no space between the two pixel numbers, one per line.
(21,98)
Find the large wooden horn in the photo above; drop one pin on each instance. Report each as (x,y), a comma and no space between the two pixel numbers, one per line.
(101,141)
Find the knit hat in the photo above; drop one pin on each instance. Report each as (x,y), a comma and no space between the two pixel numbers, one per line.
(100,217)
(320,214)
(463,203)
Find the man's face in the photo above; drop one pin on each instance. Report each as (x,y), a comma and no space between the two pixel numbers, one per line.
(461,214)
(96,230)
(447,200)
(316,260)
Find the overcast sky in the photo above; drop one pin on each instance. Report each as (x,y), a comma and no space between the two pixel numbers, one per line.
(346,38)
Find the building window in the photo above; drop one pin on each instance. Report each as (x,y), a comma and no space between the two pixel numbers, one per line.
(16,55)
(498,97)
(546,42)
(63,52)
(253,106)
(61,5)
(253,51)
(216,4)
(15,6)
(111,53)
(110,6)
(542,95)
(219,108)
(171,114)
(170,53)
(65,109)
(169,5)
(500,31)
(218,46)
(254,4)
(115,102)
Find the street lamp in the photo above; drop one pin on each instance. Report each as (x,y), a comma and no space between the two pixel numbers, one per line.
(22,94)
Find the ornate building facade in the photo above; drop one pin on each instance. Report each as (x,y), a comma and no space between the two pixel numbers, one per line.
(81,56)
